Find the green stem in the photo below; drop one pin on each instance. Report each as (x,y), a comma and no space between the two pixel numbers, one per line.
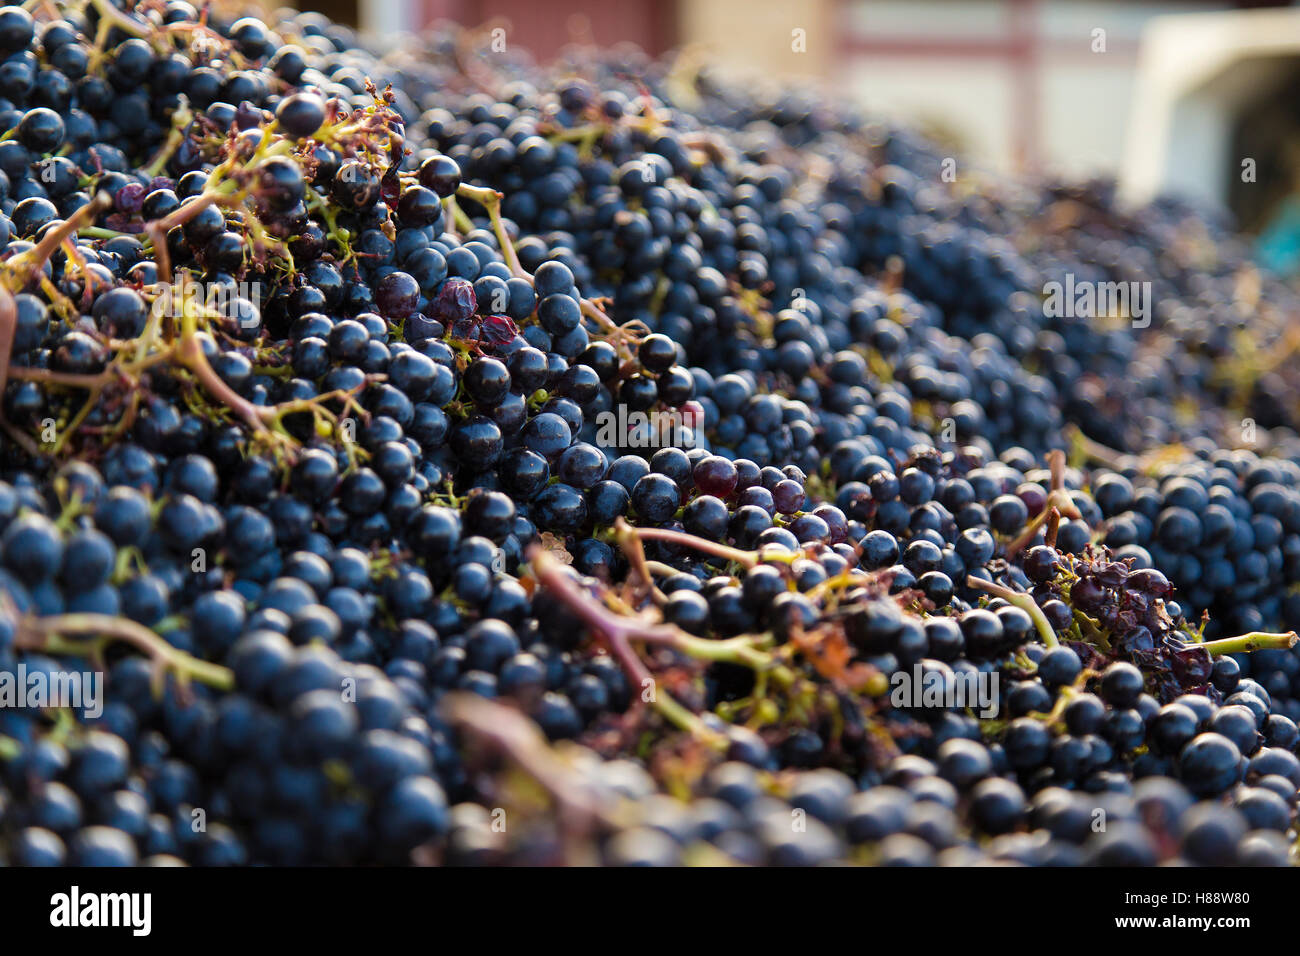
(490,200)
(575,134)
(100,232)
(683,719)
(317,204)
(746,559)
(616,632)
(463,222)
(1021,600)
(735,650)
(24,267)
(190,354)
(120,20)
(181,119)
(1254,641)
(49,634)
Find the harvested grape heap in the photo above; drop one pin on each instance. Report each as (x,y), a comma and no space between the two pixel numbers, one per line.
(440,459)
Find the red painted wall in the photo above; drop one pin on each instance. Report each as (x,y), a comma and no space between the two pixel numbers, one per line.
(544,26)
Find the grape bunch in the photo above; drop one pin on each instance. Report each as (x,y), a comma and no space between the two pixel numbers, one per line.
(434,458)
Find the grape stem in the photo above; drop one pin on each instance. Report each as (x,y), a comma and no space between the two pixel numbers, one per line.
(1021,600)
(181,119)
(158,229)
(511,733)
(1058,500)
(741,650)
(316,203)
(1053,526)
(120,20)
(227,186)
(22,268)
(746,559)
(50,634)
(8,329)
(1254,641)
(459,221)
(490,200)
(627,540)
(616,633)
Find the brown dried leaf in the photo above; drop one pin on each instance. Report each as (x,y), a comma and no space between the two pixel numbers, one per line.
(555,545)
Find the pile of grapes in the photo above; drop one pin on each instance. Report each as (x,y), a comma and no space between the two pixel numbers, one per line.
(434,458)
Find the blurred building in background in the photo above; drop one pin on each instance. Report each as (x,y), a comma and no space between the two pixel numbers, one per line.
(1215,114)
(1166,94)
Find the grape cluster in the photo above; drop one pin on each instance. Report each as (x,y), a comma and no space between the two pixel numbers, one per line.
(431,458)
